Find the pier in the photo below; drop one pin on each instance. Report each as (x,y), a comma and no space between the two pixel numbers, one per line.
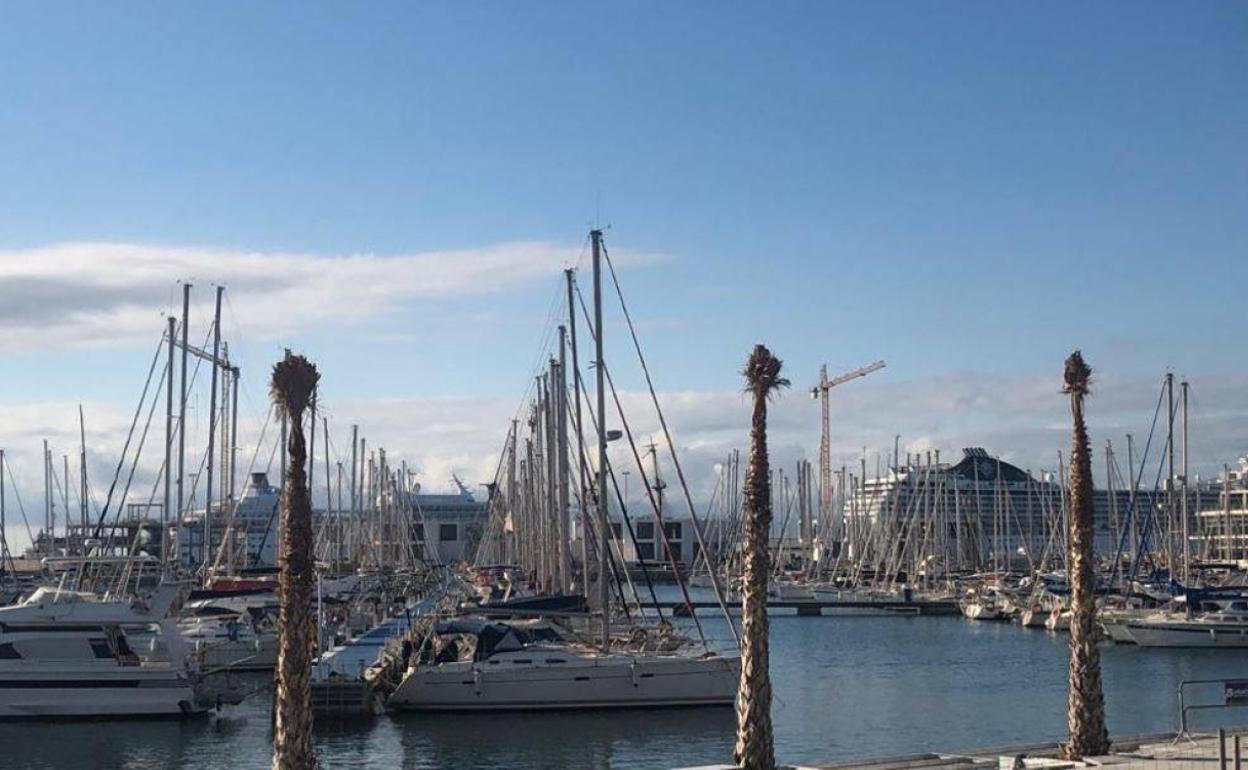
(1164,751)
(812,608)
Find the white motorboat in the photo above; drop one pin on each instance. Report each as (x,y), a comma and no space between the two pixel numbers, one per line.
(1227,627)
(66,654)
(470,664)
(222,639)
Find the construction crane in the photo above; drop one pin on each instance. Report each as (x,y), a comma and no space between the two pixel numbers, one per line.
(820,391)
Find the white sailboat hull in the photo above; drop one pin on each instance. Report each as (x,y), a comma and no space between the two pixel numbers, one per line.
(1188,634)
(594,682)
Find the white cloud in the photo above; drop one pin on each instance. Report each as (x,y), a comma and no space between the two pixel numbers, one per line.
(90,294)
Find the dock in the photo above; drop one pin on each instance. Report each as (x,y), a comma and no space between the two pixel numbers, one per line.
(1165,751)
(818,607)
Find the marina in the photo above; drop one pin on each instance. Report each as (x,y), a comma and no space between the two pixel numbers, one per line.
(937,682)
(694,386)
(925,595)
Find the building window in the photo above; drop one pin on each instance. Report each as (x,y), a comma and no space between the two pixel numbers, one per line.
(101,649)
(673,530)
(645,530)
(645,551)
(448,533)
(418,532)
(677,551)
(617,530)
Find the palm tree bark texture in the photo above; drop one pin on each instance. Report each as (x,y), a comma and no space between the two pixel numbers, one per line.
(1085,715)
(755,749)
(292,387)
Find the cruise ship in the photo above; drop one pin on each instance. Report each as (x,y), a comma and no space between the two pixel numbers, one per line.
(444,528)
(978,513)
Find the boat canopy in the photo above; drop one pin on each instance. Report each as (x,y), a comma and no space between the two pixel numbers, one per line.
(493,637)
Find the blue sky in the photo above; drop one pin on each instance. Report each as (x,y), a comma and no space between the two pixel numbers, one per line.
(971,187)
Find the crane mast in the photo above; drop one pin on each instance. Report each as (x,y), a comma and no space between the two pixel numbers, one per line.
(820,391)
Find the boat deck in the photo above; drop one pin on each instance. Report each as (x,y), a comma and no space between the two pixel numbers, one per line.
(350,659)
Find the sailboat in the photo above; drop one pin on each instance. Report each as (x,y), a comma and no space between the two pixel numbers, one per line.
(471,664)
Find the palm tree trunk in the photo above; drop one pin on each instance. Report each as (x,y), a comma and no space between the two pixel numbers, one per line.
(294,382)
(755,748)
(1085,715)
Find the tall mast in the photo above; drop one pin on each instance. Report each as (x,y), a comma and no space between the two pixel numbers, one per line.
(1183,502)
(82,471)
(47,499)
(329,494)
(4,538)
(65,497)
(168,501)
(825,446)
(1131,513)
(182,384)
(604,531)
(311,447)
(513,497)
(354,488)
(1170,470)
(580,437)
(560,387)
(212,424)
(234,372)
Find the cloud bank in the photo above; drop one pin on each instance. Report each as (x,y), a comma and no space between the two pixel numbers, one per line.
(80,295)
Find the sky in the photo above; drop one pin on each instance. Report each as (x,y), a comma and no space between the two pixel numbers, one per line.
(967,190)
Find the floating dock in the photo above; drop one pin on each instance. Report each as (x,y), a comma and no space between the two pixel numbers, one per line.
(817,607)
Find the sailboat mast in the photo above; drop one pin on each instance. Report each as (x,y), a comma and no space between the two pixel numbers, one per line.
(164,509)
(4,538)
(65,498)
(47,499)
(212,424)
(234,373)
(604,531)
(1183,502)
(560,391)
(580,437)
(186,317)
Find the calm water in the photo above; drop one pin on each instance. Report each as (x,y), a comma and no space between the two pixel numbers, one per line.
(845,687)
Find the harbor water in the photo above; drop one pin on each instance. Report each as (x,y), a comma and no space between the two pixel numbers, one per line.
(845,687)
